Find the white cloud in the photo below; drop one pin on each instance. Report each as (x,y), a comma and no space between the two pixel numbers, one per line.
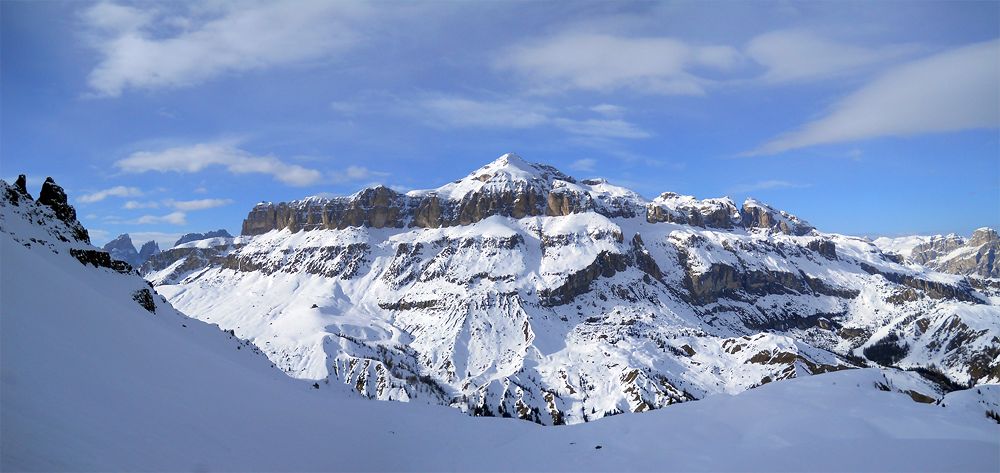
(116,19)
(951,91)
(134,204)
(616,128)
(605,62)
(357,173)
(460,112)
(584,165)
(98,236)
(163,239)
(117,191)
(191,159)
(608,109)
(184,205)
(766,185)
(173,218)
(144,48)
(463,112)
(798,55)
(200,204)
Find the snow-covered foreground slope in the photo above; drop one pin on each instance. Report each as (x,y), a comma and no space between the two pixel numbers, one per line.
(92,381)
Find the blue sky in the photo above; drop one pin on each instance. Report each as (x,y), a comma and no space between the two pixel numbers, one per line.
(868,118)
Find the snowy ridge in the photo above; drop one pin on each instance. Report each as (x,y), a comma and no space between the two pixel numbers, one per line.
(974,256)
(596,303)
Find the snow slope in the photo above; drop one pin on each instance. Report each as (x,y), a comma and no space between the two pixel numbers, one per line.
(903,245)
(93,382)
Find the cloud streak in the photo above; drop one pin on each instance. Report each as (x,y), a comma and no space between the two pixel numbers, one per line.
(799,55)
(173,218)
(950,91)
(461,112)
(770,184)
(144,48)
(607,62)
(195,158)
(117,191)
(200,204)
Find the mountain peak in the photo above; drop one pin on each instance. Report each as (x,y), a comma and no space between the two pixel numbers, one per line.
(513,166)
(509,172)
(124,237)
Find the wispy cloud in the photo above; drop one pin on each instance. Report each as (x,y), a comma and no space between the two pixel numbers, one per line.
(117,191)
(766,185)
(949,91)
(147,47)
(191,159)
(603,128)
(173,218)
(463,112)
(200,204)
(607,62)
(135,204)
(583,165)
(800,55)
(183,205)
(608,109)
(357,173)
(163,239)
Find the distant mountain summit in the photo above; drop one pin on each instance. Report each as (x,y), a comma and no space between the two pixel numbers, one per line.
(955,254)
(220,233)
(122,249)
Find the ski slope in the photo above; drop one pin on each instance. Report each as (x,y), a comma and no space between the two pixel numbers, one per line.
(93,382)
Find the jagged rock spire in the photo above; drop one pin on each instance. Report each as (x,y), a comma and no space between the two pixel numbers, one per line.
(53,196)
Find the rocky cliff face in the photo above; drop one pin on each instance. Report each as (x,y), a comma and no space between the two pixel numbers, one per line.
(520,291)
(954,254)
(53,196)
(122,249)
(148,250)
(935,248)
(50,223)
(510,187)
(978,256)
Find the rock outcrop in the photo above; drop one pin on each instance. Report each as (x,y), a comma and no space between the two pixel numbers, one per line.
(148,250)
(954,254)
(756,215)
(122,249)
(936,248)
(977,257)
(53,196)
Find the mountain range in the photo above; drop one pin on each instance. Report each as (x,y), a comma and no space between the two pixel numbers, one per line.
(521,291)
(110,377)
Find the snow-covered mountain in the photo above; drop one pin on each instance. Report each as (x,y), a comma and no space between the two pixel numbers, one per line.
(189,237)
(521,291)
(109,377)
(122,249)
(974,256)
